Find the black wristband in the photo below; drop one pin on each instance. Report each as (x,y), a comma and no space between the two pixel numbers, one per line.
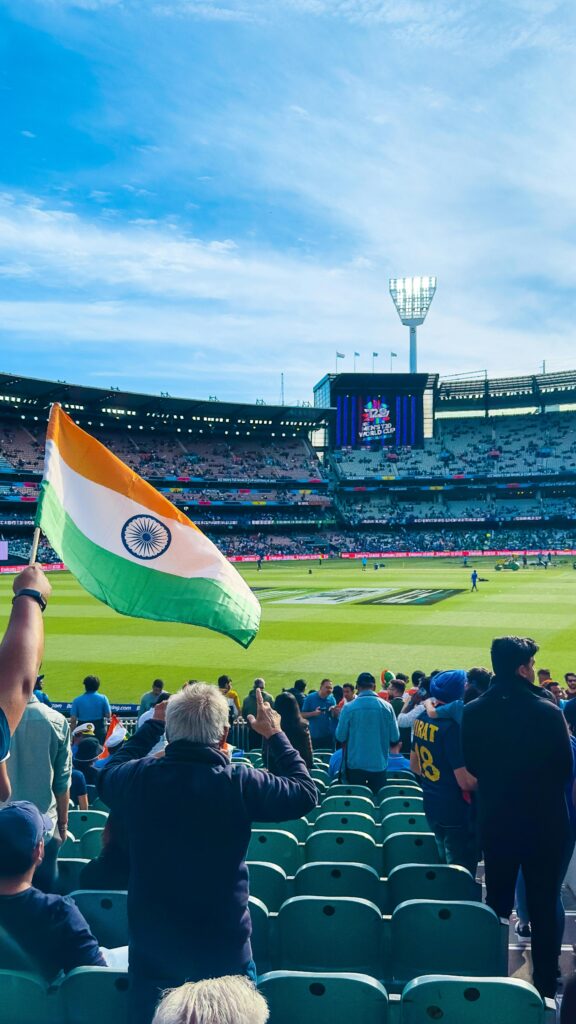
(34,594)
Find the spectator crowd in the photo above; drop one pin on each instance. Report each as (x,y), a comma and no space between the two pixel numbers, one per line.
(492,751)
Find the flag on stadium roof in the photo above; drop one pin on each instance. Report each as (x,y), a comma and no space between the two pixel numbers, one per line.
(129,546)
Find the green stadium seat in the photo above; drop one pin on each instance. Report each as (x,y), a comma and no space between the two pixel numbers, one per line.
(329,933)
(12,956)
(341,789)
(474,1001)
(326,878)
(338,846)
(91,843)
(320,775)
(106,913)
(408,848)
(260,939)
(447,937)
(316,998)
(80,822)
(276,847)
(69,870)
(400,775)
(397,789)
(70,847)
(403,823)
(431,882)
(99,805)
(346,805)
(298,828)
(94,995)
(401,805)
(357,822)
(267,883)
(24,999)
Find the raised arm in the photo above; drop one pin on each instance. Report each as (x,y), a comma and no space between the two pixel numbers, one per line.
(22,648)
(21,653)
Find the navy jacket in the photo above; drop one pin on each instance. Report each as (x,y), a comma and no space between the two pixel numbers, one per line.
(189,817)
(516,744)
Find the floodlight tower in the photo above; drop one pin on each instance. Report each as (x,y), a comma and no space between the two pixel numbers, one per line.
(412,297)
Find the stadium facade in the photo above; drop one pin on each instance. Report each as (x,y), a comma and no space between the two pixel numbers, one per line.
(381,463)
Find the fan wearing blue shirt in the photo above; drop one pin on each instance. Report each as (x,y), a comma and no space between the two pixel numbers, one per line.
(368,728)
(446,784)
(317,709)
(93,707)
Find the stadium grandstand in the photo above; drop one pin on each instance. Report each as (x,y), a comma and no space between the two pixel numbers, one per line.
(362,900)
(494,466)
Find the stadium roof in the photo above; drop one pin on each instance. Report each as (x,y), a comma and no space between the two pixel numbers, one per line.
(28,397)
(480,392)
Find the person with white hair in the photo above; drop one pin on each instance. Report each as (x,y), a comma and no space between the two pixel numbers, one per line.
(230,1000)
(190,812)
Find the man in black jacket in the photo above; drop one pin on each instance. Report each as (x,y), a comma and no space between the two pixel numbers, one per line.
(517,746)
(191,812)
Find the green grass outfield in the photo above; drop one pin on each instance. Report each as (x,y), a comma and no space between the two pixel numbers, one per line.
(314,640)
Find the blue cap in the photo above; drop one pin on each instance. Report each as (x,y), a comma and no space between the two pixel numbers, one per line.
(449,686)
(22,826)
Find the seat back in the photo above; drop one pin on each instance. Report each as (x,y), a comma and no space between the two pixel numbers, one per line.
(276,847)
(400,775)
(346,805)
(408,848)
(24,999)
(356,847)
(471,1001)
(330,933)
(80,822)
(454,938)
(106,913)
(299,827)
(260,939)
(319,998)
(357,822)
(91,843)
(401,805)
(326,878)
(411,822)
(397,789)
(92,995)
(69,871)
(342,789)
(267,883)
(13,956)
(431,882)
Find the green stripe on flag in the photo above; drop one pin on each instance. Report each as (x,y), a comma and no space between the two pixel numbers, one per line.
(140,590)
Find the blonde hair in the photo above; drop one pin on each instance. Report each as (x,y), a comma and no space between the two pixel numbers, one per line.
(228,1000)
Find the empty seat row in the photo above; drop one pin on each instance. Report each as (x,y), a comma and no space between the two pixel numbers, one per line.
(282,848)
(336,933)
(90,995)
(270,884)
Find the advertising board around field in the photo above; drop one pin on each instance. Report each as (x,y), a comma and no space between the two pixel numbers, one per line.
(46,566)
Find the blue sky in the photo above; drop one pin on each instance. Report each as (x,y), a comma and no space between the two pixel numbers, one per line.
(197,195)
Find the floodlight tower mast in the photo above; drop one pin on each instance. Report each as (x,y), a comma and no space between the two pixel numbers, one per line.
(412,297)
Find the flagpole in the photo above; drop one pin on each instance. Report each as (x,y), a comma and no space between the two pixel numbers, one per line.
(34,548)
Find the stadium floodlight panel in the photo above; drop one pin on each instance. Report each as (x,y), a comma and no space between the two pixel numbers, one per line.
(412,297)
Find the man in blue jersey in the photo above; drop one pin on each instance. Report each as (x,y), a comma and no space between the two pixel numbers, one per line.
(21,653)
(317,709)
(368,728)
(446,784)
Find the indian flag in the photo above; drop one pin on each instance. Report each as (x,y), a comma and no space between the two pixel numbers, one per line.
(129,546)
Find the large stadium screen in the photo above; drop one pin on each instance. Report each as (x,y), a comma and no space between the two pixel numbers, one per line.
(379,419)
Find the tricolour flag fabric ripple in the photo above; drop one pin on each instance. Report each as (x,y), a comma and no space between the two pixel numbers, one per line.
(129,546)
